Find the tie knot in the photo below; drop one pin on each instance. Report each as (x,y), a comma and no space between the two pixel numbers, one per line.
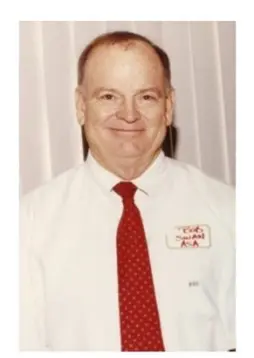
(126,190)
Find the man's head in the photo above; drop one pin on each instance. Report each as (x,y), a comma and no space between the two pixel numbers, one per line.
(124,97)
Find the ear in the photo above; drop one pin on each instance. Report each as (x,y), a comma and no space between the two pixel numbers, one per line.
(80,106)
(170,106)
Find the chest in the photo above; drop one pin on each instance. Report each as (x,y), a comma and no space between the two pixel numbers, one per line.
(80,273)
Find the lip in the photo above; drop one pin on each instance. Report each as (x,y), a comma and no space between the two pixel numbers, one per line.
(127,130)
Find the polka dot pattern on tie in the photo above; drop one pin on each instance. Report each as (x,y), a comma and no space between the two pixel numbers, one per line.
(139,316)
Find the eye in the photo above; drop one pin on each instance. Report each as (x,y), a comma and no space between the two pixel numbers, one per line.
(148,97)
(107,97)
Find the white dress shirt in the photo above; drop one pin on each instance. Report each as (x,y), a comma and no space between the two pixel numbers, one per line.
(69,287)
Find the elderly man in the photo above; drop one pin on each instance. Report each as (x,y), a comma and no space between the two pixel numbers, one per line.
(130,251)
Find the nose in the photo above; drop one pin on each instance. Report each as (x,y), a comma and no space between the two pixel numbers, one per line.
(128,112)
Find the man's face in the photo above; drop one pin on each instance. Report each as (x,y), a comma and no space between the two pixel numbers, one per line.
(124,101)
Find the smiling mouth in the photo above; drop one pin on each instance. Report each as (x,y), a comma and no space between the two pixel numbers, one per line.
(127,130)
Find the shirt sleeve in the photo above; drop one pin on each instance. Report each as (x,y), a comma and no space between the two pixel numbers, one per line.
(222,202)
(227,294)
(32,312)
(227,303)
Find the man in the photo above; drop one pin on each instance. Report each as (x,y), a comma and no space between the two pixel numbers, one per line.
(131,251)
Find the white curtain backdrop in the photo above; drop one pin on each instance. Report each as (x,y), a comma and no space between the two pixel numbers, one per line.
(202,58)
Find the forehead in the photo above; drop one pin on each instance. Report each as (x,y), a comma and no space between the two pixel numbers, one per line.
(123,64)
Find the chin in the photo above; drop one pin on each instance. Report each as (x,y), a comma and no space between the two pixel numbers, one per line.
(128,155)
(127,150)
(121,153)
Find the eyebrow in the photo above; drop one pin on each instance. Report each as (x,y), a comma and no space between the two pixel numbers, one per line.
(149,89)
(104,89)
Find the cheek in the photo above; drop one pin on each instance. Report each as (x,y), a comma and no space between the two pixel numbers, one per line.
(157,122)
(156,128)
(95,125)
(155,115)
(93,116)
(96,119)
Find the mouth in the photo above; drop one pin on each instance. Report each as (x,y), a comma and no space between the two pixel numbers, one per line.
(127,133)
(127,130)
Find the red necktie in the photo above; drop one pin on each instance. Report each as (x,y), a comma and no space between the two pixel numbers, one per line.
(139,317)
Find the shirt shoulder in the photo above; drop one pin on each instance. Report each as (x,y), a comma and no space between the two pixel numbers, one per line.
(196,179)
(56,192)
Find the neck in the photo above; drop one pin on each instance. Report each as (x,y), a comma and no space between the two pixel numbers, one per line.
(126,168)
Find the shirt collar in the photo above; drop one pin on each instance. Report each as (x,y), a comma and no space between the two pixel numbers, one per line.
(148,182)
